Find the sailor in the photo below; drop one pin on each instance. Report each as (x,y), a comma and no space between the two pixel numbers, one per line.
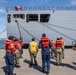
(9,59)
(63,47)
(58,52)
(45,46)
(53,48)
(33,50)
(21,43)
(17,53)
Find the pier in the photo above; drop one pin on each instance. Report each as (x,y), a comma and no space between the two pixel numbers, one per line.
(67,68)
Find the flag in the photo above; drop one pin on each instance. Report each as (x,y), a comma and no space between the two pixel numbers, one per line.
(18,8)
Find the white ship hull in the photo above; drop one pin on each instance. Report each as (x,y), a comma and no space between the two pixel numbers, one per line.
(61,18)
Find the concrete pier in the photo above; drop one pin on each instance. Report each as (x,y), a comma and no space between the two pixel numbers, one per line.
(67,68)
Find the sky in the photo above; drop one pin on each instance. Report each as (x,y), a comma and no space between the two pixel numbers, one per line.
(4,3)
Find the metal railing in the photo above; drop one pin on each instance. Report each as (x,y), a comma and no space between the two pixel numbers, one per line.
(43,8)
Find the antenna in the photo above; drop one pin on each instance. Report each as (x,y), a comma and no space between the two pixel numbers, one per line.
(7,9)
(54,9)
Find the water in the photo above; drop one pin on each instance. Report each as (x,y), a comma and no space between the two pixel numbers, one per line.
(2,43)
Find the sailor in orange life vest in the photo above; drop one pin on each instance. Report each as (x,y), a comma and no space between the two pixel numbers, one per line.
(17,53)
(9,59)
(53,49)
(45,45)
(21,43)
(58,52)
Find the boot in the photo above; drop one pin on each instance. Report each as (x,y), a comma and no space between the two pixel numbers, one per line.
(30,65)
(43,71)
(17,66)
(47,72)
(56,64)
(35,63)
(12,73)
(7,74)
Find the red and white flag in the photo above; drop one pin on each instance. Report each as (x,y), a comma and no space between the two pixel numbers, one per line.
(18,8)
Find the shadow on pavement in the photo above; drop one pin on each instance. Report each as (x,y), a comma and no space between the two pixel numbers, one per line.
(65,64)
(37,67)
(26,61)
(74,63)
(3,69)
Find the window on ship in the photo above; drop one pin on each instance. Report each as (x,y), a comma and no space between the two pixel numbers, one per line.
(31,17)
(8,18)
(22,16)
(44,17)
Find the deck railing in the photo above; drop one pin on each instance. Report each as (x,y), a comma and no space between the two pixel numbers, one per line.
(43,7)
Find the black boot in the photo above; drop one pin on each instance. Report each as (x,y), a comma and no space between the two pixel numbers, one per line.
(12,73)
(47,72)
(17,66)
(43,71)
(56,64)
(30,65)
(35,63)
(7,74)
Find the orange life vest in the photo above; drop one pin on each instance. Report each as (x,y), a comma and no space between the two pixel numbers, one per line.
(45,42)
(20,42)
(15,46)
(53,44)
(7,45)
(58,44)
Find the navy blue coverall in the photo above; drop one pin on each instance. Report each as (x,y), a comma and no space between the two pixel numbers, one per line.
(45,56)
(9,60)
(9,63)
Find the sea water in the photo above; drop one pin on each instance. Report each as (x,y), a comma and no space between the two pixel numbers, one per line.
(2,43)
